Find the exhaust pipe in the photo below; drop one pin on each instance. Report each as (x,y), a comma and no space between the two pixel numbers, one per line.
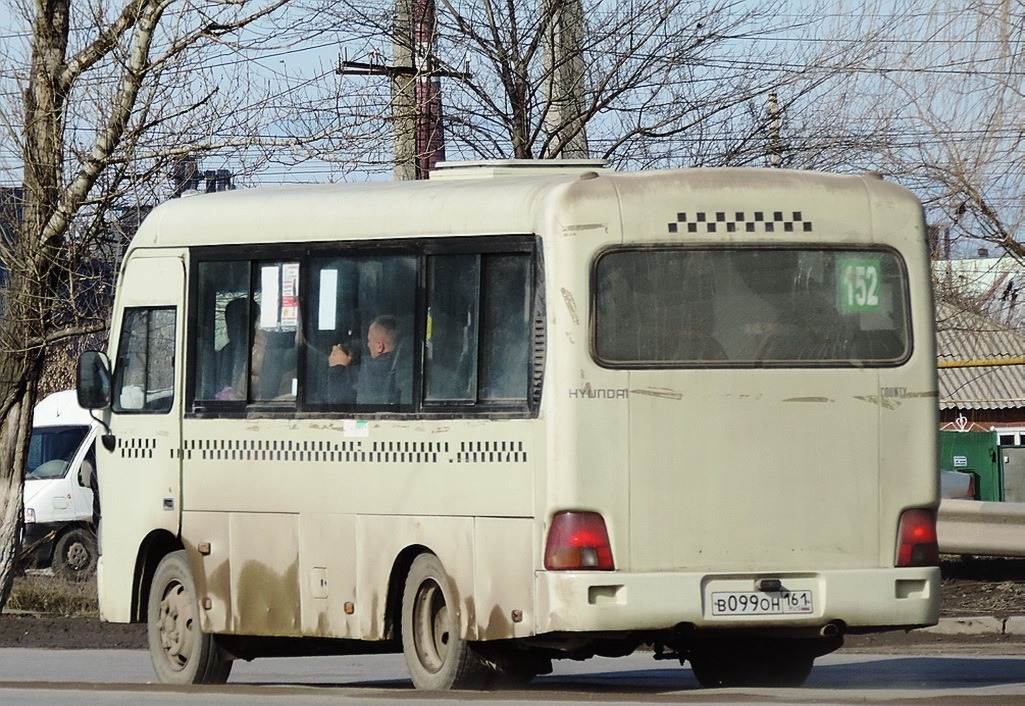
(829,630)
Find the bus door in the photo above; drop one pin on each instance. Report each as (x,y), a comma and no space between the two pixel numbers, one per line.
(139,478)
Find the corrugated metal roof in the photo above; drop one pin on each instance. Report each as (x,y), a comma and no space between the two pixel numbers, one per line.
(963,335)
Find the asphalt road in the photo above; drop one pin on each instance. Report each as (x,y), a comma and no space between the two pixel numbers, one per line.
(36,676)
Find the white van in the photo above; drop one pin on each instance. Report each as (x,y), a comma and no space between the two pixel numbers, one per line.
(60,531)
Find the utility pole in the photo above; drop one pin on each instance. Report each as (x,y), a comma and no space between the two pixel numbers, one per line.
(566,71)
(403,92)
(415,75)
(775,128)
(430,140)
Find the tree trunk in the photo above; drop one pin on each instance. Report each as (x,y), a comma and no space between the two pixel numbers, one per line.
(15,430)
(21,366)
(29,297)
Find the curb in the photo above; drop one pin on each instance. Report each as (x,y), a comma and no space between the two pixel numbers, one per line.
(979,625)
(1015,625)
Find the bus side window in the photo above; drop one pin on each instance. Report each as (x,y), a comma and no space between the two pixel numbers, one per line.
(222,325)
(272,362)
(478,328)
(144,374)
(359,331)
(506,330)
(453,298)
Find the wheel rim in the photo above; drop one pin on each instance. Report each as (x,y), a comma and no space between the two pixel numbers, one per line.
(176,625)
(77,556)
(432,630)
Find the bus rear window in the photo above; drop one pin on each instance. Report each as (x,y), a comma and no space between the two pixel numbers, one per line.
(749,307)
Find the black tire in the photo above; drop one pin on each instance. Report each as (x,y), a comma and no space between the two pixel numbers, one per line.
(437,657)
(513,676)
(511,667)
(180,651)
(751,668)
(75,555)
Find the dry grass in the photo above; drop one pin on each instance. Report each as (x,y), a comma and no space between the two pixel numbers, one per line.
(49,594)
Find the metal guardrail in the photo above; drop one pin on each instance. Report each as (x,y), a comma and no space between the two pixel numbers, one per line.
(983,528)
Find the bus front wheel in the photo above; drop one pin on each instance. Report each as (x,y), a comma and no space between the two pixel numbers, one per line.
(437,657)
(180,651)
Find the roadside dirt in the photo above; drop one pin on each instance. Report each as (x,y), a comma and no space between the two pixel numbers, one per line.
(59,632)
(971,586)
(982,586)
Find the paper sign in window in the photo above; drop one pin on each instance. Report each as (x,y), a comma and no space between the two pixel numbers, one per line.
(290,295)
(270,296)
(327,316)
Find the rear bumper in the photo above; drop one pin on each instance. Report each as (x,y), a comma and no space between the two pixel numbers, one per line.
(862,600)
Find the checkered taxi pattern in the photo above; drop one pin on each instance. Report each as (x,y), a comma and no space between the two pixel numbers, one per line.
(740,222)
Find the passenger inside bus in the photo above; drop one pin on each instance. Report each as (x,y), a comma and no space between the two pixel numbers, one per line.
(273,369)
(230,360)
(384,377)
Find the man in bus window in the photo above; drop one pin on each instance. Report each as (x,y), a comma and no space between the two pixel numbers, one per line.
(384,377)
(230,360)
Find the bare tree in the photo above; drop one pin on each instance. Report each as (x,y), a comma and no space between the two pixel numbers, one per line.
(643,83)
(109,95)
(955,118)
(933,99)
(961,115)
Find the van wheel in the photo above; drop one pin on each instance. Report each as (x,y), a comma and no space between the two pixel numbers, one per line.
(180,651)
(74,555)
(437,657)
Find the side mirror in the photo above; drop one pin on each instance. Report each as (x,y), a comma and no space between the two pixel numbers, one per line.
(93,380)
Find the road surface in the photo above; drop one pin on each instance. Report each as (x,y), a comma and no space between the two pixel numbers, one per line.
(36,676)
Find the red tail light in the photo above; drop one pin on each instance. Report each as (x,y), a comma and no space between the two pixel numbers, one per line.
(971,486)
(578,540)
(916,539)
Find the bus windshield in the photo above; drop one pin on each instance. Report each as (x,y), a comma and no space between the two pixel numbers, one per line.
(750,307)
(51,451)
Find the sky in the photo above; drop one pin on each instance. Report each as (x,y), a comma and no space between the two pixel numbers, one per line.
(939,64)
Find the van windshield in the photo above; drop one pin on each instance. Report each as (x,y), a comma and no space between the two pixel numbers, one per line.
(666,307)
(51,451)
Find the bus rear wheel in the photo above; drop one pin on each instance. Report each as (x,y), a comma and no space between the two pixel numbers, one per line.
(759,667)
(437,657)
(180,651)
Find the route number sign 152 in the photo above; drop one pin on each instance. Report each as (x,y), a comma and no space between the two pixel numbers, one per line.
(859,284)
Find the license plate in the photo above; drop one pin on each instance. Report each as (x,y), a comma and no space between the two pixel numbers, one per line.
(761,603)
